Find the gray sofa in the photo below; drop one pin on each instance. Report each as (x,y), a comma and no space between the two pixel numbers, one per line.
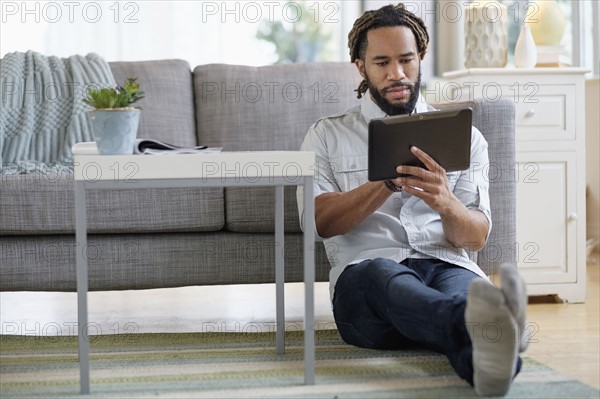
(167,238)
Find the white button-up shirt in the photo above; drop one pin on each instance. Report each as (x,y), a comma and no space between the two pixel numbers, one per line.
(404,226)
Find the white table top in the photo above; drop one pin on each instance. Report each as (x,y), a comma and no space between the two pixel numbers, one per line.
(90,166)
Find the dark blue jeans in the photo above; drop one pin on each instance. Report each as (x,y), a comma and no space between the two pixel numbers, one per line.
(382,304)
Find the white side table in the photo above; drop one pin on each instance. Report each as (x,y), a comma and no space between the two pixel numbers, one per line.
(549,170)
(266,168)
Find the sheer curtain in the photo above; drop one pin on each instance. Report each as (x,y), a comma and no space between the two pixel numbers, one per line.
(198,31)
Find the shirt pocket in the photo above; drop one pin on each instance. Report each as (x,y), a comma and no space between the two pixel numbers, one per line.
(350,172)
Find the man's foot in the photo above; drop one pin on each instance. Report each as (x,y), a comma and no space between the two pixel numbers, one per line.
(493,333)
(515,294)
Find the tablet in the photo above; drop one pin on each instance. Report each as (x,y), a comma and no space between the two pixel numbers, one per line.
(444,135)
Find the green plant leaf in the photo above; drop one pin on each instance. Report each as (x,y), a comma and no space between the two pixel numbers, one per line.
(115,97)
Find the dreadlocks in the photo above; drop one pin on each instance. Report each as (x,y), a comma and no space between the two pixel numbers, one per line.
(389,15)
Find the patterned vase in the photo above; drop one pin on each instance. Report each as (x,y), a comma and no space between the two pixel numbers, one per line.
(525,49)
(486,35)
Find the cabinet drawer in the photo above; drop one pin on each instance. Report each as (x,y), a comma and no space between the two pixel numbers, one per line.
(544,112)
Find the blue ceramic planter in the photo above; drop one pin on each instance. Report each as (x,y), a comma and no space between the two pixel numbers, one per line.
(115,131)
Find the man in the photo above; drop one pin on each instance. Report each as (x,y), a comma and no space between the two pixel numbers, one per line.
(398,249)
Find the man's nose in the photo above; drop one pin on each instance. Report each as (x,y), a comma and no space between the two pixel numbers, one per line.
(396,72)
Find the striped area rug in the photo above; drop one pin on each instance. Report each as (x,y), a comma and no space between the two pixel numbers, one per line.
(245,365)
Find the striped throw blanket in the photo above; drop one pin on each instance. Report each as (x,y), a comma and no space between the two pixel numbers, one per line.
(43,114)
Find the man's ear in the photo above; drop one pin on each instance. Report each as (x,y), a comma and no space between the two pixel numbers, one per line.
(360,65)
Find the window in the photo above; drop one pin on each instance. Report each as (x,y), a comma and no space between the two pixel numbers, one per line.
(235,32)
(517,11)
(589,50)
(580,40)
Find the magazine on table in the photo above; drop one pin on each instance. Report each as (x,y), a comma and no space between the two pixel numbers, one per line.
(156,147)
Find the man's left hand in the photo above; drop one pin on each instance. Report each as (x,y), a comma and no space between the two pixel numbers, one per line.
(462,227)
(429,183)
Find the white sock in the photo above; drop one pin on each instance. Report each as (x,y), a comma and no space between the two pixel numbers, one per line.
(493,333)
(515,294)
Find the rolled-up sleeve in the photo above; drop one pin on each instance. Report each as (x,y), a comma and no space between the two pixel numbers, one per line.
(323,179)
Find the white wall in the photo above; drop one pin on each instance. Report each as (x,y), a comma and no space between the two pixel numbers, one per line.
(592,105)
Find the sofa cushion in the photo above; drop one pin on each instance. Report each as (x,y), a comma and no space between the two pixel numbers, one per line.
(243,216)
(244,108)
(44,204)
(142,261)
(168,107)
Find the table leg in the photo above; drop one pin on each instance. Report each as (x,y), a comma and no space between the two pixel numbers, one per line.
(82,286)
(309,282)
(279,271)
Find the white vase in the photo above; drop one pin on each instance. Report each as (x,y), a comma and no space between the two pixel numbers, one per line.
(486,35)
(525,49)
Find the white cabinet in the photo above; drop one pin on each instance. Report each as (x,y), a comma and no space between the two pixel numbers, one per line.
(550,170)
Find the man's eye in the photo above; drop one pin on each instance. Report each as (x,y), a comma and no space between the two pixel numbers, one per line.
(381,63)
(406,61)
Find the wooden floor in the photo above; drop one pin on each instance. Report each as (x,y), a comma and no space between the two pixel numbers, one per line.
(567,337)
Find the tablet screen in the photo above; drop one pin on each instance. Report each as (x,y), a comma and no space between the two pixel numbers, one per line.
(444,135)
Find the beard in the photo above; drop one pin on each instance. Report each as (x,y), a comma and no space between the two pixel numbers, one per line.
(395,109)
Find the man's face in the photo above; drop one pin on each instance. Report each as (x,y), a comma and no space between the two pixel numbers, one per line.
(392,69)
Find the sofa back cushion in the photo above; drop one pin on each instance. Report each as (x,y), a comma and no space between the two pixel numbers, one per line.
(43,204)
(496,121)
(268,108)
(168,107)
(244,108)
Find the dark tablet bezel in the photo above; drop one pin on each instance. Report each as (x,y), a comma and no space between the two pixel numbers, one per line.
(444,135)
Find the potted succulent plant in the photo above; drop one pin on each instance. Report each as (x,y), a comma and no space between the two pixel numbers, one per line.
(114,119)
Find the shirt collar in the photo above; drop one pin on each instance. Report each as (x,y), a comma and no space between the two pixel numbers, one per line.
(370,110)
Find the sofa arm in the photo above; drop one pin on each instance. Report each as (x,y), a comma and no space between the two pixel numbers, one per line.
(496,121)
